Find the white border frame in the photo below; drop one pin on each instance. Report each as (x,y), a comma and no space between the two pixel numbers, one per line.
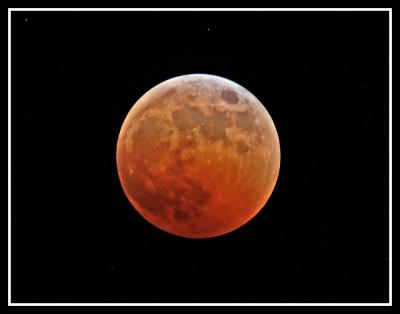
(10,303)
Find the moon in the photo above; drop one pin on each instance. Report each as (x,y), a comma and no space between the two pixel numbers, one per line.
(198,156)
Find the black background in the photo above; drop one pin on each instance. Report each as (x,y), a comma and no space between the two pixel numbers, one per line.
(323,235)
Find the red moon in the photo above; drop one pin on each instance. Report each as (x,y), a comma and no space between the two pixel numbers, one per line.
(198,156)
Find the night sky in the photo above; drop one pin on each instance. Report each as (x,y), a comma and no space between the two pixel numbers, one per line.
(322,236)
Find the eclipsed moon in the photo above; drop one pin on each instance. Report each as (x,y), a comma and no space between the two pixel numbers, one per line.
(198,156)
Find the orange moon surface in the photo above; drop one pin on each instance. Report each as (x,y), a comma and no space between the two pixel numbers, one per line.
(198,156)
